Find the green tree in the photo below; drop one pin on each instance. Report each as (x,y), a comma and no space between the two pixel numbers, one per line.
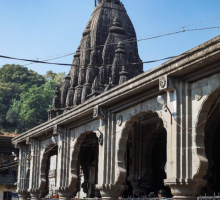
(59,78)
(34,104)
(25,96)
(8,92)
(21,75)
(50,75)
(12,116)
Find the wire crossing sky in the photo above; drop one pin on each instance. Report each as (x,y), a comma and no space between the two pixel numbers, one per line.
(44,28)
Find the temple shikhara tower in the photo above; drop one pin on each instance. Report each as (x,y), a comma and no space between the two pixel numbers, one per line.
(107,56)
(116,131)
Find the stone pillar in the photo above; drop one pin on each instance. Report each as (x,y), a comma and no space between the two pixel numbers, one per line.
(65,195)
(35,195)
(23,195)
(112,192)
(22,181)
(186,189)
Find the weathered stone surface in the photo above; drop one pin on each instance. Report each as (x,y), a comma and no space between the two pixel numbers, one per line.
(126,105)
(104,51)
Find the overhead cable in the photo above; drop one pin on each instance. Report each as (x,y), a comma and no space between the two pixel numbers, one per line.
(65,64)
(57,56)
(13,165)
(131,40)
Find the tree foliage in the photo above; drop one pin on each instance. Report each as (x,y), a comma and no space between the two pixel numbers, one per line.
(25,96)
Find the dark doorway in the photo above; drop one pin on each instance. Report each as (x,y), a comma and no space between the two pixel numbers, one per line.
(7,196)
(213,154)
(88,166)
(51,168)
(159,159)
(146,157)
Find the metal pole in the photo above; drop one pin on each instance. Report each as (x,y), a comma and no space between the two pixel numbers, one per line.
(171,115)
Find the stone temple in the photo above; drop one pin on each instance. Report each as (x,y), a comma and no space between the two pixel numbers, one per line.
(107,57)
(115,130)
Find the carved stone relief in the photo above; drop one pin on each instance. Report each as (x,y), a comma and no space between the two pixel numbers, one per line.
(198,93)
(162,81)
(119,120)
(98,112)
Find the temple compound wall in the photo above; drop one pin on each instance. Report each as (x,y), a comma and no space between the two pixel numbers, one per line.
(129,135)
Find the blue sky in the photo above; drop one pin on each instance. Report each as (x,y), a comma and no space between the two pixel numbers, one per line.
(42,28)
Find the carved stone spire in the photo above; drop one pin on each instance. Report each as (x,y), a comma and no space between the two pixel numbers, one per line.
(116,27)
(96,90)
(119,61)
(123,75)
(90,75)
(97,64)
(116,34)
(82,75)
(87,30)
(56,99)
(95,85)
(77,95)
(94,57)
(85,92)
(110,1)
(102,76)
(74,72)
(64,90)
(70,95)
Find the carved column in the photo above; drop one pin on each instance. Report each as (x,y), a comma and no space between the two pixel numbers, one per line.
(35,170)
(62,176)
(99,113)
(35,194)
(22,183)
(112,192)
(179,140)
(106,180)
(189,189)
(65,194)
(23,195)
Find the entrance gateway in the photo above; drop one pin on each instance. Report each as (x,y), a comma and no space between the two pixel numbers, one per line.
(107,135)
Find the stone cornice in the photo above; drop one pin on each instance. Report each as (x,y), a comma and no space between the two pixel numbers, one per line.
(183,64)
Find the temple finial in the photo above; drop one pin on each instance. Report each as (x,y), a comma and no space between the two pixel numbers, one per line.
(110,1)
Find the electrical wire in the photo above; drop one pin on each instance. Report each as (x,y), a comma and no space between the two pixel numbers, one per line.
(128,41)
(4,168)
(87,144)
(144,39)
(9,163)
(57,56)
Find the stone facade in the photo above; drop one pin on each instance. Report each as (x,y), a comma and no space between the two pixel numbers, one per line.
(123,141)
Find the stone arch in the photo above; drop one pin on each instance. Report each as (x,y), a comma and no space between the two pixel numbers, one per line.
(43,168)
(73,180)
(201,161)
(121,144)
